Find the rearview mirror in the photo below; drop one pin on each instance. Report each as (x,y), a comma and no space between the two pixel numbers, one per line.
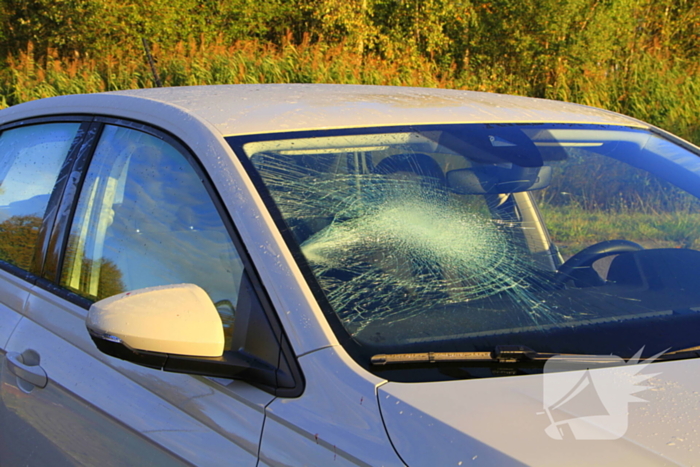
(494,179)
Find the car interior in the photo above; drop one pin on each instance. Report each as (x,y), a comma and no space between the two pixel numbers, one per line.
(440,240)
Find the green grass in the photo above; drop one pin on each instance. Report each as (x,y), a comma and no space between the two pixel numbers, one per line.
(572,229)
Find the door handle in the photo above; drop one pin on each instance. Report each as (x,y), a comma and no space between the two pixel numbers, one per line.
(33,374)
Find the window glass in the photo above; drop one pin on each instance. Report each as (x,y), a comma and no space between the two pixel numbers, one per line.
(564,238)
(30,161)
(145,218)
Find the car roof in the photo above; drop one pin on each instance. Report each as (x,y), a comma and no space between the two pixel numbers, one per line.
(270,108)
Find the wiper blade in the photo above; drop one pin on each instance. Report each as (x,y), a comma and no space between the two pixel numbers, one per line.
(690,352)
(501,354)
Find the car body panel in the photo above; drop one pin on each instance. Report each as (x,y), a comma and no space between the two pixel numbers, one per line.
(164,417)
(501,421)
(337,413)
(253,109)
(13,295)
(70,410)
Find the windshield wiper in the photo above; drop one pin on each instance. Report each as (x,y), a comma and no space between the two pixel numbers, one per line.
(501,354)
(690,352)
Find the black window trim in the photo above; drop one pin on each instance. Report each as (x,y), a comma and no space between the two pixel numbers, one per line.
(53,243)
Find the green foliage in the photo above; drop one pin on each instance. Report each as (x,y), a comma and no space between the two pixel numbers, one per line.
(638,57)
(17,239)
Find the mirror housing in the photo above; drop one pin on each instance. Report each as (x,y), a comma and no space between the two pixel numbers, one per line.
(175,319)
(177,328)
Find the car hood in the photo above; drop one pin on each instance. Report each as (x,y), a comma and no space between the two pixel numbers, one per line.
(504,421)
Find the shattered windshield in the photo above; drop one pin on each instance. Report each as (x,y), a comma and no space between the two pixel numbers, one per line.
(462,237)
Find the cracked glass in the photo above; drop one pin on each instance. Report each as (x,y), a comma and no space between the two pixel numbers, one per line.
(462,237)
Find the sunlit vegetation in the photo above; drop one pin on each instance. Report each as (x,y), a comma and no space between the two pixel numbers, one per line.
(638,57)
(17,239)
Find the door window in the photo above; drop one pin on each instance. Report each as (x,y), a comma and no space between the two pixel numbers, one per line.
(31,158)
(145,218)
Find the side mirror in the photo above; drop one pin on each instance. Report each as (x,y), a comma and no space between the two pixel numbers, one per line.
(177,328)
(172,328)
(175,319)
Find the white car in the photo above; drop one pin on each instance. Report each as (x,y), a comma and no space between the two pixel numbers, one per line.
(323,275)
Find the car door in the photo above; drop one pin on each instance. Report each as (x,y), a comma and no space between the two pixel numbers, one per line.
(34,163)
(142,215)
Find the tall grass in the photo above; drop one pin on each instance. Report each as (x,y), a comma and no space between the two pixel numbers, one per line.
(25,78)
(654,89)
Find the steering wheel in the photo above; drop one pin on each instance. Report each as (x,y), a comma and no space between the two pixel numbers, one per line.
(589,255)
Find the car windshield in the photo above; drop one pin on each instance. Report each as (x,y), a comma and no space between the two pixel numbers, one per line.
(565,238)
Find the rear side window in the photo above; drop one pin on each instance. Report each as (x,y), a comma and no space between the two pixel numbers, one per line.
(31,158)
(144,219)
